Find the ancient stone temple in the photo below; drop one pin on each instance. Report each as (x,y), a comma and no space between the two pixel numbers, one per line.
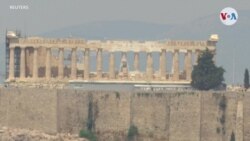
(37,59)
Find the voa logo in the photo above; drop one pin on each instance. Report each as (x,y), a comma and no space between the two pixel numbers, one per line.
(228,16)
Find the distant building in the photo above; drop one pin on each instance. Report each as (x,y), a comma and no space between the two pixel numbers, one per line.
(37,59)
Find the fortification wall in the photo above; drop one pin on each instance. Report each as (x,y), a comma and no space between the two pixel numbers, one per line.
(165,116)
(29,108)
(72,110)
(185,116)
(218,116)
(246,114)
(210,118)
(150,113)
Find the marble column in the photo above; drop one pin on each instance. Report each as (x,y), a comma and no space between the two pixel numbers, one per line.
(73,63)
(136,62)
(111,65)
(163,64)
(176,65)
(86,64)
(35,68)
(99,64)
(124,65)
(22,63)
(48,63)
(61,64)
(149,69)
(12,63)
(188,64)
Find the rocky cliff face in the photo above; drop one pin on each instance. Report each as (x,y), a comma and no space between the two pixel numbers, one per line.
(7,134)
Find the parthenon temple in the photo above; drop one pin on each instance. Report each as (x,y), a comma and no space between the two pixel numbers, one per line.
(37,59)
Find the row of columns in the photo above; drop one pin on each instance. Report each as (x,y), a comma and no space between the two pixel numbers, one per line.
(86,60)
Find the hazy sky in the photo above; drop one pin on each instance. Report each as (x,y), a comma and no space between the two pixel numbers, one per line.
(46,15)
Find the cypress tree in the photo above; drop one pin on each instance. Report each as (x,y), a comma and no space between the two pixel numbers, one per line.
(246,79)
(206,75)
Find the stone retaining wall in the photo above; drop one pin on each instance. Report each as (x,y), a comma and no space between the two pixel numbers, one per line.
(165,116)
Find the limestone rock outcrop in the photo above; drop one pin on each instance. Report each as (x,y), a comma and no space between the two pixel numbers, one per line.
(11,134)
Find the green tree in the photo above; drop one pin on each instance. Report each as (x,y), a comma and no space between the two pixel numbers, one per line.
(246,79)
(206,75)
(132,133)
(232,137)
(88,135)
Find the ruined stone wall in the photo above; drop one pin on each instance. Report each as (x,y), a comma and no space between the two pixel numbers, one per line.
(159,116)
(41,63)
